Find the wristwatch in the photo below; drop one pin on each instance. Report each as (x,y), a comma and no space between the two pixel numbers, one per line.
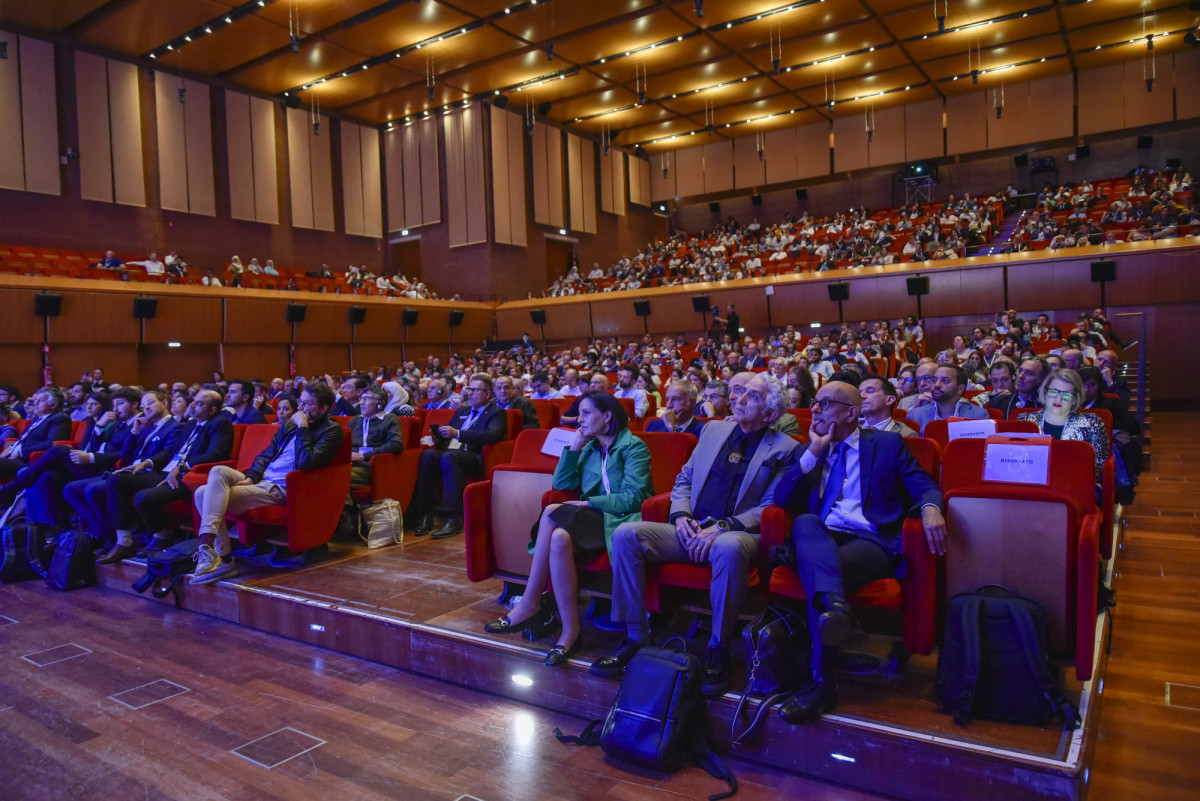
(723,524)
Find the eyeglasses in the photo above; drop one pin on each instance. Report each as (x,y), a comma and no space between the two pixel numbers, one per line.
(823,404)
(1065,394)
(473,390)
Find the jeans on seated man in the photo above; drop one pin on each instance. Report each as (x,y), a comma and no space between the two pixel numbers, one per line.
(851,489)
(51,424)
(716,506)
(480,422)
(372,432)
(308,441)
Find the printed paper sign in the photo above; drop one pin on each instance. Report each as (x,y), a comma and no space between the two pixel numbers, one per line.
(1020,462)
(556,440)
(971,429)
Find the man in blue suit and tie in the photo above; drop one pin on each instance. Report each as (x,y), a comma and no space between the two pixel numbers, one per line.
(680,404)
(851,489)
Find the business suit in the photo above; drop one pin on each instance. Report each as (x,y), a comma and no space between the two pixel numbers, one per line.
(892,425)
(204,442)
(451,468)
(921,415)
(635,544)
(529,418)
(383,435)
(38,436)
(249,417)
(659,425)
(1007,403)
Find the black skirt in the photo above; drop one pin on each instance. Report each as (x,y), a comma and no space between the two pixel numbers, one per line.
(585,524)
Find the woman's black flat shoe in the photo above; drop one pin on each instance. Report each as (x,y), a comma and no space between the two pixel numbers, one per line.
(559,654)
(504,626)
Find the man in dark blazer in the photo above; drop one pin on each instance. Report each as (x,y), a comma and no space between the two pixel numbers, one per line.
(851,489)
(372,431)
(51,424)
(478,423)
(239,400)
(1029,379)
(680,405)
(507,397)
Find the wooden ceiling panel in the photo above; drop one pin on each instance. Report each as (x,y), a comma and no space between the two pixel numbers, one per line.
(996,57)
(996,35)
(638,115)
(920,21)
(799,23)
(724,96)
(400,27)
(698,76)
(316,59)
(991,80)
(361,85)
(1078,16)
(629,34)
(137,27)
(314,16)
(49,17)
(696,50)
(609,98)
(864,64)
(403,103)
(863,86)
(553,90)
(677,126)
(520,68)
(1123,30)
(555,20)
(776,105)
(458,52)
(230,46)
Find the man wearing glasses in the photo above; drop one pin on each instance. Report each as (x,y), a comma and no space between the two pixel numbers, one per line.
(850,489)
(457,458)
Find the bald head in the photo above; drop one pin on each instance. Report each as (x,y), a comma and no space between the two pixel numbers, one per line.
(1073,358)
(206,405)
(837,407)
(1107,360)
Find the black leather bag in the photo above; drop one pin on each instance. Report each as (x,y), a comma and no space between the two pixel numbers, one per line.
(21,544)
(778,658)
(73,565)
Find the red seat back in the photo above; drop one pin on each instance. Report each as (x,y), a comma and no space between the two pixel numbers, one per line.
(548,412)
(939,430)
(669,450)
(410,428)
(255,440)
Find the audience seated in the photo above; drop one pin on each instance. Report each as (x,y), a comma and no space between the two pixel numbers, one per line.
(372,431)
(946,399)
(49,423)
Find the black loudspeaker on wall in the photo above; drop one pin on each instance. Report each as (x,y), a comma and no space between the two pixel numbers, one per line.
(801,194)
(47,305)
(1083,152)
(456,317)
(1021,161)
(918,285)
(145,308)
(408,317)
(714,207)
(1145,142)
(840,291)
(756,199)
(701,303)
(296,312)
(500,101)
(544,108)
(641,308)
(537,316)
(292,101)
(1104,271)
(358,315)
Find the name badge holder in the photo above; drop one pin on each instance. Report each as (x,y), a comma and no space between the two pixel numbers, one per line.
(1017,460)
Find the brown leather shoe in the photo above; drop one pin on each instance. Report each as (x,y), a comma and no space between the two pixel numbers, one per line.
(119,553)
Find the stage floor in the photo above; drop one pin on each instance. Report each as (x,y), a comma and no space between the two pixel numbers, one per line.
(410,606)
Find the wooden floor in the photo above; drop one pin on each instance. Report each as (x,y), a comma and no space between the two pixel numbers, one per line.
(105,695)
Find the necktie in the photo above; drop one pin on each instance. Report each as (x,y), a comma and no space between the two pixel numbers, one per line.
(837,477)
(187,446)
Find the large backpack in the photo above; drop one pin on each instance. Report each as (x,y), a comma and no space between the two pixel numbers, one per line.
(73,565)
(165,568)
(658,719)
(993,661)
(21,544)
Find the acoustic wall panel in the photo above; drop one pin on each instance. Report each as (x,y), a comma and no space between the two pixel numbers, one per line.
(266,168)
(501,213)
(239,145)
(689,172)
(781,154)
(1012,126)
(612,182)
(924,136)
(197,124)
(352,193)
(640,168)
(663,174)
(125,123)
(411,158)
(548,194)
(12,153)
(185,163)
(887,147)
(1144,107)
(172,152)
(393,159)
(299,131)
(581,160)
(1101,106)
(456,189)
(749,171)
(1187,92)
(322,177)
(95,139)
(812,150)
(1051,116)
(513,155)
(966,123)
(372,182)
(39,116)
(431,184)
(474,161)
(850,143)
(718,167)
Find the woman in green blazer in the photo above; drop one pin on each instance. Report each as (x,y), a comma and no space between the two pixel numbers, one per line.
(611,469)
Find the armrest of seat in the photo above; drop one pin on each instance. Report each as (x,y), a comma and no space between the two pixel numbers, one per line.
(315,499)
(477,531)
(657,508)
(1086,595)
(920,589)
(776,527)
(558,496)
(394,475)
(1108,505)
(198,476)
(497,453)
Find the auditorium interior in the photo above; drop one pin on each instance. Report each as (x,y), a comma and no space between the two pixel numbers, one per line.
(477,160)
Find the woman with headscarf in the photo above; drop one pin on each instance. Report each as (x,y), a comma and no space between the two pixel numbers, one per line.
(397,403)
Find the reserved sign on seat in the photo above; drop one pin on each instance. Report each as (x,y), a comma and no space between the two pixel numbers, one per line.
(970,429)
(1017,460)
(556,440)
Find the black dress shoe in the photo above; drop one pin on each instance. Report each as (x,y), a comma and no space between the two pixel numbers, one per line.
(613,665)
(450,528)
(425,525)
(836,624)
(156,544)
(811,701)
(716,671)
(117,554)
(559,654)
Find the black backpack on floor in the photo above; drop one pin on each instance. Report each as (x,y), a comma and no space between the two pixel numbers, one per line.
(993,661)
(21,544)
(73,564)
(167,567)
(658,718)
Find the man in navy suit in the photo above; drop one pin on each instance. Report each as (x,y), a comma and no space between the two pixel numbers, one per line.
(478,423)
(851,489)
(680,404)
(51,424)
(239,400)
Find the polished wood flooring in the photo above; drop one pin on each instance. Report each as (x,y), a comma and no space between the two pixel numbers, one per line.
(108,696)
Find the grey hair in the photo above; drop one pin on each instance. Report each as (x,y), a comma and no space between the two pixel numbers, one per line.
(777,394)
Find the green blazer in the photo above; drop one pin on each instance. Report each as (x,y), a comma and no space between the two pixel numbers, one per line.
(628,476)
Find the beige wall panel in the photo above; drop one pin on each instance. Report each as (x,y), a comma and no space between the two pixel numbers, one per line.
(749,171)
(1101,107)
(473,167)
(575,181)
(617,168)
(95,139)
(781,155)
(662,187)
(266,175)
(888,145)
(1013,126)
(125,120)
(1051,108)
(501,212)
(411,151)
(923,133)
(352,193)
(456,190)
(39,117)
(172,152)
(1187,91)
(643,171)
(12,156)
(555,179)
(393,159)
(197,121)
(606,180)
(322,177)
(718,166)
(966,123)
(587,150)
(372,176)
(518,209)
(634,167)
(689,172)
(541,180)
(849,143)
(240,147)
(300,166)
(812,151)
(431,182)
(1149,108)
